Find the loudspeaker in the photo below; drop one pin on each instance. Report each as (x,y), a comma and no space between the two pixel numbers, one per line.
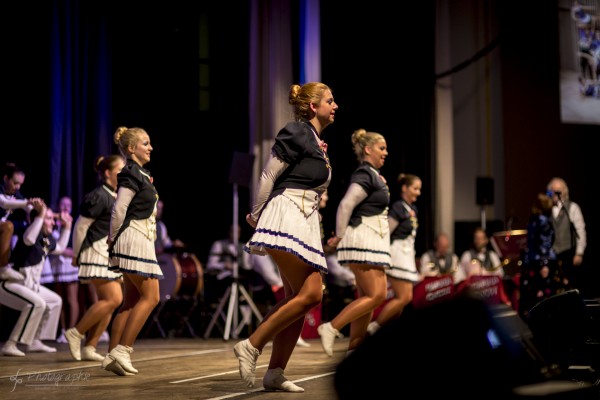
(485,190)
(559,324)
(425,347)
(241,169)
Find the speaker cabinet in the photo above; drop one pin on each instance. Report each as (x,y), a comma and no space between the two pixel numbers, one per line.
(241,169)
(458,348)
(485,190)
(559,325)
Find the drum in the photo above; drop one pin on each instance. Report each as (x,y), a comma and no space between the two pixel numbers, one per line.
(192,275)
(509,245)
(183,275)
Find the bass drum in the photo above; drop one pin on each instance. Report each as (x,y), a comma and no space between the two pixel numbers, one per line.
(183,275)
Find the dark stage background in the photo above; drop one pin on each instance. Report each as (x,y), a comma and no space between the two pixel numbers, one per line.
(155,67)
(379,63)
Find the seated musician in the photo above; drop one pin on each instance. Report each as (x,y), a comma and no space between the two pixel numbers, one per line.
(163,243)
(441,260)
(481,260)
(165,247)
(219,266)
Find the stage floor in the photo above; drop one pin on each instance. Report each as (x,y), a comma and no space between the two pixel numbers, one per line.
(173,368)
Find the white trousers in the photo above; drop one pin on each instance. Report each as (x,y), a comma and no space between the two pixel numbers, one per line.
(40,311)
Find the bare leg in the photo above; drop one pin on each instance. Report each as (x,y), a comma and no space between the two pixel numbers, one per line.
(130,298)
(87,297)
(6,231)
(372,287)
(98,316)
(403,293)
(304,290)
(71,290)
(59,288)
(149,297)
(285,341)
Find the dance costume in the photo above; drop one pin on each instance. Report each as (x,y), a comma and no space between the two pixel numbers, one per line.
(404,265)
(133,225)
(366,233)
(288,198)
(90,234)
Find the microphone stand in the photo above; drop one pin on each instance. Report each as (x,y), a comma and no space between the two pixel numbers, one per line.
(483,218)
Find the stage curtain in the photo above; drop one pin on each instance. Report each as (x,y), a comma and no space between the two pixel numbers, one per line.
(272,35)
(80,97)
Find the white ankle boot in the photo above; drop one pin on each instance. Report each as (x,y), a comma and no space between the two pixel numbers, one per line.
(274,380)
(89,353)
(119,361)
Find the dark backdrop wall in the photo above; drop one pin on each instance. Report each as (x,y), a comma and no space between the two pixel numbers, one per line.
(157,85)
(157,52)
(381,73)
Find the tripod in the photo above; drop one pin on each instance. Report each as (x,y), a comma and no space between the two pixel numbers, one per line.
(234,292)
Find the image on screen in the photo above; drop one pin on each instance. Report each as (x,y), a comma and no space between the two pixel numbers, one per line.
(579,39)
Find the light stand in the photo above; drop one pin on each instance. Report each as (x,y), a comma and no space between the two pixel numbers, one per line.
(483,218)
(234,292)
(484,187)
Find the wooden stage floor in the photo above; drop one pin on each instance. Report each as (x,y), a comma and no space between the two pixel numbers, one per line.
(171,368)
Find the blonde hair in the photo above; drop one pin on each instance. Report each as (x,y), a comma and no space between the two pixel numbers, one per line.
(301,97)
(362,139)
(406,179)
(126,137)
(108,163)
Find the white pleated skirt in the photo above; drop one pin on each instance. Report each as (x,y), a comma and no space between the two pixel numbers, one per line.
(63,269)
(404,264)
(368,243)
(94,263)
(290,222)
(134,253)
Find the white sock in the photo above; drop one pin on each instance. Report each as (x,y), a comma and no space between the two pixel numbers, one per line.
(373,327)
